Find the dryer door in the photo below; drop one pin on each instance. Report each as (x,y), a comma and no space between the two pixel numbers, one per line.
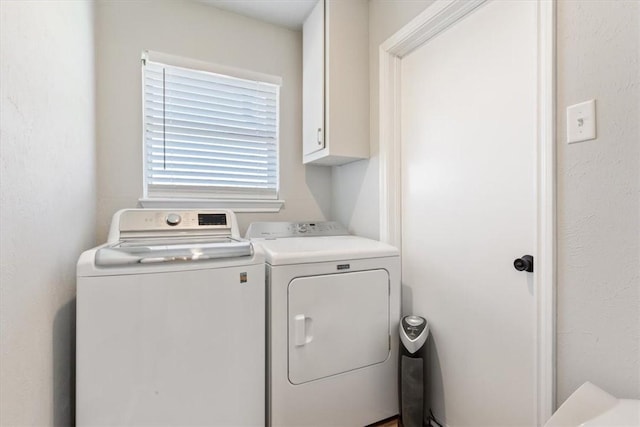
(337,323)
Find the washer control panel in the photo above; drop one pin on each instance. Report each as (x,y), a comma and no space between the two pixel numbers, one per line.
(278,230)
(149,223)
(154,220)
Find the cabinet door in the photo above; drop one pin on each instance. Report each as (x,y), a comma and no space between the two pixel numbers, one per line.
(337,323)
(313,81)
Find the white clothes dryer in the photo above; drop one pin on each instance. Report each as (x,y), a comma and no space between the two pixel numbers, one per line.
(170,323)
(333,312)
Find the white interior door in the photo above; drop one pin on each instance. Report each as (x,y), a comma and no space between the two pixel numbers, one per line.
(468,210)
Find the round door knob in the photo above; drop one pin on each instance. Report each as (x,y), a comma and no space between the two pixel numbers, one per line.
(173,219)
(525,263)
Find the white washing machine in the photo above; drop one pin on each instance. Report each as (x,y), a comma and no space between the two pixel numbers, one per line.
(333,315)
(170,323)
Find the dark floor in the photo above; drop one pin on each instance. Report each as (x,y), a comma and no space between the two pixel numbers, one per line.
(389,422)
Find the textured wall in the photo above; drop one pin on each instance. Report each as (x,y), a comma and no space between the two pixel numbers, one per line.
(598,211)
(47,201)
(194,30)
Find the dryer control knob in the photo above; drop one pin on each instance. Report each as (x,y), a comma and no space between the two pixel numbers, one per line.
(173,219)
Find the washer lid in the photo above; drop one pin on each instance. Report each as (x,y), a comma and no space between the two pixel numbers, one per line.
(151,251)
(300,250)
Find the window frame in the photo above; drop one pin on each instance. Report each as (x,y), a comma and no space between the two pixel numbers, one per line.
(225,198)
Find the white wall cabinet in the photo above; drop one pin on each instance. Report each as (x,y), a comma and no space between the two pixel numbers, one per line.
(335,83)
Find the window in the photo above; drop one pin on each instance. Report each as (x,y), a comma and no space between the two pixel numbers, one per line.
(210,132)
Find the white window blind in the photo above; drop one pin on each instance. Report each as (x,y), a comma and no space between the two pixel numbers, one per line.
(209,135)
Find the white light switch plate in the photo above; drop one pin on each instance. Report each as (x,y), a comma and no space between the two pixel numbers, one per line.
(581,121)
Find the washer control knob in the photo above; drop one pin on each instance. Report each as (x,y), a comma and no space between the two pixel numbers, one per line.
(302,228)
(173,219)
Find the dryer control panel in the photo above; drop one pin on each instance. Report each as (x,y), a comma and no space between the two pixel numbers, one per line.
(279,230)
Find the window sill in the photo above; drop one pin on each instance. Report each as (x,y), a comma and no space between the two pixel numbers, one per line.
(233,204)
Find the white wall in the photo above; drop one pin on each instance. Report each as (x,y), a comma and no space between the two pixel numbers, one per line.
(355,186)
(598,183)
(47,201)
(598,210)
(194,30)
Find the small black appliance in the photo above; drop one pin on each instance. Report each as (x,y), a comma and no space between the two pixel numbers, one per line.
(414,331)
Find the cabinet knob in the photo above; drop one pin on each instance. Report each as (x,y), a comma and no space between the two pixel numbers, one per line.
(319,136)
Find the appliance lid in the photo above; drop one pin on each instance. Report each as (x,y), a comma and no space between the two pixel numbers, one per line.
(301,250)
(148,236)
(151,251)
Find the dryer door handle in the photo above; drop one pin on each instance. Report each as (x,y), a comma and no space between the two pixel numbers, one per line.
(299,330)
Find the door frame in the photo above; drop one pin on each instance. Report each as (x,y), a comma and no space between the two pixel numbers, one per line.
(433,20)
